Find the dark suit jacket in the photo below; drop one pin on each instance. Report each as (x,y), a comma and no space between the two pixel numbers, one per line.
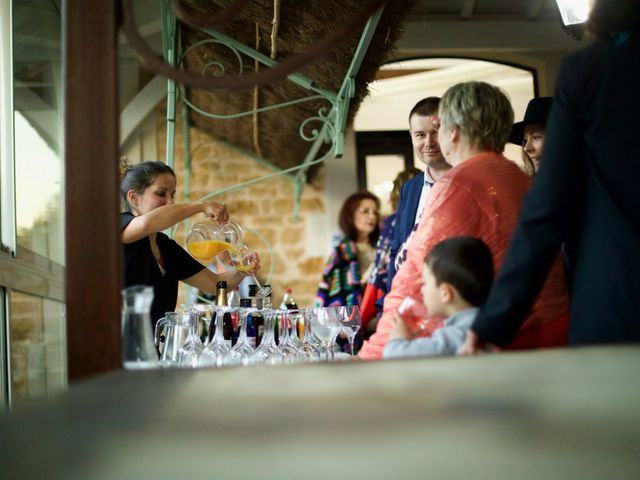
(587,193)
(407,208)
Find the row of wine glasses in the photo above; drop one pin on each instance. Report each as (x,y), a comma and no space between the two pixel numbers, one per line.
(320,327)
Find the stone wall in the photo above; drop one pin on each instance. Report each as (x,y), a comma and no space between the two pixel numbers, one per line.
(265,207)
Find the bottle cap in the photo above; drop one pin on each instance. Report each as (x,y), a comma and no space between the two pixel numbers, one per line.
(253,290)
(287,290)
(221,284)
(245,302)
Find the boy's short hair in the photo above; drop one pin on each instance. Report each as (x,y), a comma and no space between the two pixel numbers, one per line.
(466,263)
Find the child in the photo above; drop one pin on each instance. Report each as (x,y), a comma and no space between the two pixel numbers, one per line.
(457,276)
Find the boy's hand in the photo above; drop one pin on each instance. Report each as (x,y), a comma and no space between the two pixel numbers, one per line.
(474,346)
(400,330)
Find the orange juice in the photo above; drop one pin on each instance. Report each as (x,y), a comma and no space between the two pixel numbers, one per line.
(244,268)
(207,250)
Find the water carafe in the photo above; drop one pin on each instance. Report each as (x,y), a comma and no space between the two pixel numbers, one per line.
(138,350)
(175,327)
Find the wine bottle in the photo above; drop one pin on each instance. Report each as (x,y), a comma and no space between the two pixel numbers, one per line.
(251,326)
(288,303)
(227,321)
(256,317)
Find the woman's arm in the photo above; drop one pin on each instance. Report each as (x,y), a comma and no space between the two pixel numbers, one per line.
(206,280)
(161,218)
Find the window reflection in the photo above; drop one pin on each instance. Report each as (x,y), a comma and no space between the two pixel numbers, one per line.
(38,349)
(38,128)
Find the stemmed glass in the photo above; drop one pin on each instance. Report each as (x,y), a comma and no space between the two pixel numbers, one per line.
(351,322)
(288,346)
(245,259)
(189,353)
(309,351)
(217,347)
(242,351)
(268,351)
(325,323)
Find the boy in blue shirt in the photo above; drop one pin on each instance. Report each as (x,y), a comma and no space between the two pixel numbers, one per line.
(457,276)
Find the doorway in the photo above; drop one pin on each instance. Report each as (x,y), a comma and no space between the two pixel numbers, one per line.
(383,144)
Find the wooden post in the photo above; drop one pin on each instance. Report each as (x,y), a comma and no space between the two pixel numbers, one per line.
(93,248)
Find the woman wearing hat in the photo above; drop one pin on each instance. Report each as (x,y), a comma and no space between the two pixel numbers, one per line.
(530,132)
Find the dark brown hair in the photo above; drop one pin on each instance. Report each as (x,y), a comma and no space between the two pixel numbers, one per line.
(139,177)
(347,215)
(425,107)
(466,263)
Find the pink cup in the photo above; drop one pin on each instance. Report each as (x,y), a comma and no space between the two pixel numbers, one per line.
(412,311)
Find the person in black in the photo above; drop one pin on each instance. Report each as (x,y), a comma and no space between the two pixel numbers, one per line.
(586,192)
(150,256)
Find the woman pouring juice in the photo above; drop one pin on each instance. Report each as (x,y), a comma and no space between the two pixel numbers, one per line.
(151,257)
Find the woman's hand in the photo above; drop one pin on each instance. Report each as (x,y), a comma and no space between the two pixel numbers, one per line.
(251,263)
(216,211)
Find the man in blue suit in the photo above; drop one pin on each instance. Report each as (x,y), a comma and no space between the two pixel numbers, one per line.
(423,127)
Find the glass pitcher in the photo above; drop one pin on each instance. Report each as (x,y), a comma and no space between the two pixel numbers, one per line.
(138,350)
(208,242)
(223,246)
(175,327)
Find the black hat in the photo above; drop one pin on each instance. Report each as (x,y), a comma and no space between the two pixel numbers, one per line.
(537,112)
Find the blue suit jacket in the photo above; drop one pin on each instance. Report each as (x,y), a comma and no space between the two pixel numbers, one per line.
(407,209)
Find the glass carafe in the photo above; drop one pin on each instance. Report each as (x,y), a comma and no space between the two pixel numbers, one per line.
(138,350)
(221,244)
(176,327)
(224,247)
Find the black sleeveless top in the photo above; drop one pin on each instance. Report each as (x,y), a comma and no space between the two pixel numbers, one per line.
(141,268)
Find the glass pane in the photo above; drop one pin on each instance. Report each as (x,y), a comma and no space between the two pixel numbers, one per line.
(4,374)
(38,347)
(381,171)
(38,127)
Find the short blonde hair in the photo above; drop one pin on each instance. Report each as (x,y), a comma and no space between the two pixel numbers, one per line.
(481,111)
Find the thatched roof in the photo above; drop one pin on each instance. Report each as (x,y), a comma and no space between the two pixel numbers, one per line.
(273,135)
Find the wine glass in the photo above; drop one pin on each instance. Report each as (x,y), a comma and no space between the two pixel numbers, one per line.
(325,324)
(245,261)
(217,347)
(268,352)
(309,351)
(290,350)
(242,351)
(351,324)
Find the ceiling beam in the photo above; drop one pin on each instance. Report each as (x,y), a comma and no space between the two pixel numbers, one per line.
(485,35)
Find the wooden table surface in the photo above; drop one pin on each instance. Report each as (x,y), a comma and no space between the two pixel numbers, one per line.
(554,414)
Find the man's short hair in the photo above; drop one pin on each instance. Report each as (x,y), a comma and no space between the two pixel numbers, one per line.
(425,107)
(466,263)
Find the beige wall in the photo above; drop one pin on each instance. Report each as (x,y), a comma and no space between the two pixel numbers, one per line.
(299,246)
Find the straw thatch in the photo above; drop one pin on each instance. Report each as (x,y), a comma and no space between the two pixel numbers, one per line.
(273,135)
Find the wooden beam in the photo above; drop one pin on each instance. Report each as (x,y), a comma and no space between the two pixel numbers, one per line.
(93,251)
